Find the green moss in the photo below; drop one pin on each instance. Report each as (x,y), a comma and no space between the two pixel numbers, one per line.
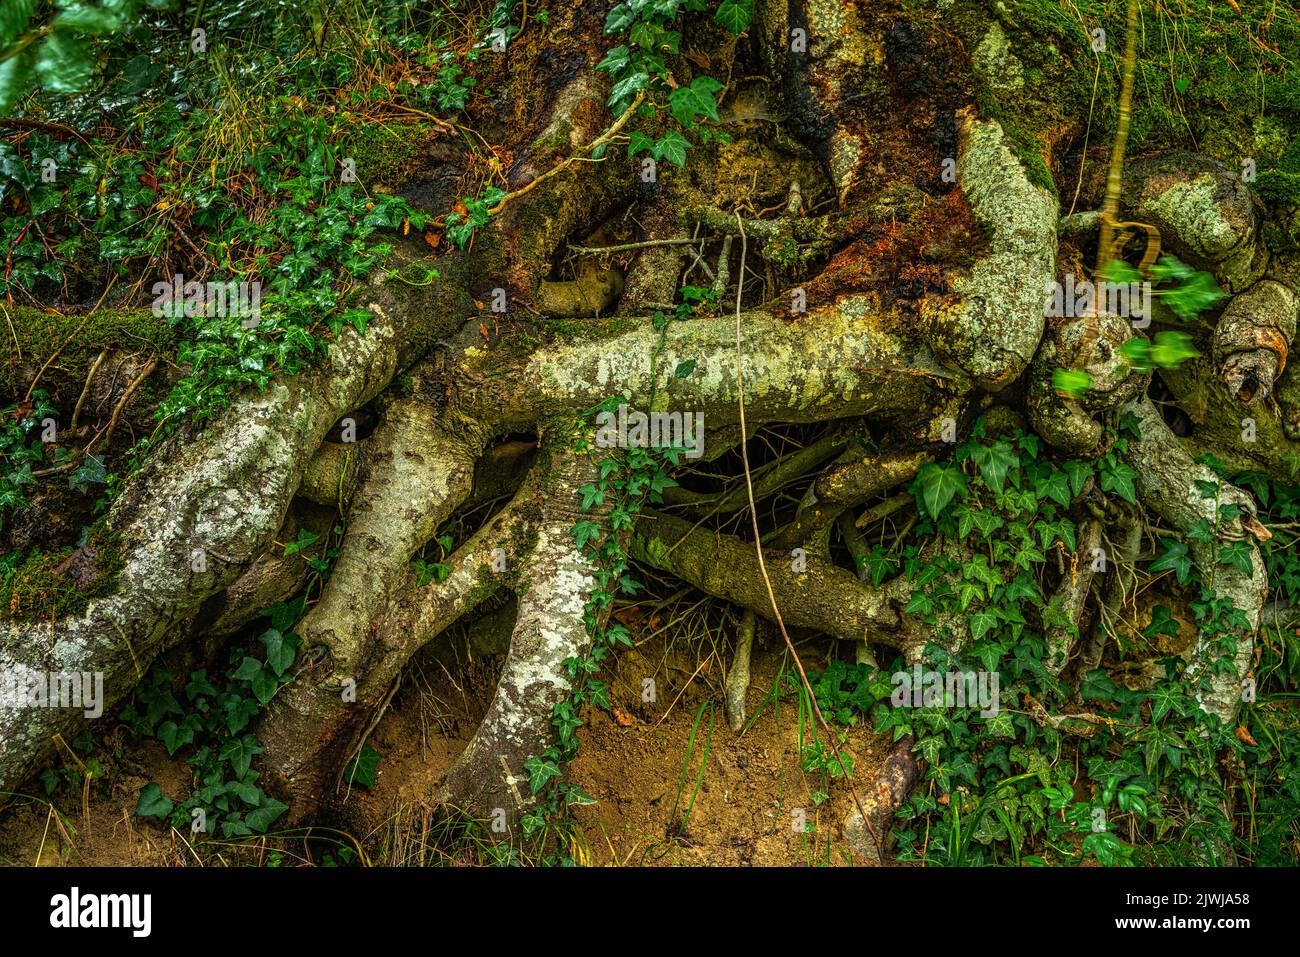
(384,153)
(1206,79)
(44,586)
(77,339)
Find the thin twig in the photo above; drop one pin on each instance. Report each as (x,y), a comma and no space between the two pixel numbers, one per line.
(762,565)
(595,144)
(85,390)
(628,247)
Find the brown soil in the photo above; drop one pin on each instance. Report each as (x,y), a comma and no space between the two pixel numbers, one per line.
(749,798)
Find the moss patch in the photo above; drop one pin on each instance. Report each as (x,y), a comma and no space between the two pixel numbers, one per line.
(39,335)
(59,584)
(385,153)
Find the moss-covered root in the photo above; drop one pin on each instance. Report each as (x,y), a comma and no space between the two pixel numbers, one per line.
(415,475)
(1167,478)
(881,798)
(1072,598)
(555,583)
(852,479)
(1205,213)
(738,676)
(1252,338)
(1089,344)
(993,328)
(318,721)
(811,592)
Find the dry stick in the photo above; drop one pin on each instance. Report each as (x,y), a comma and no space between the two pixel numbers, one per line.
(762,565)
(628,247)
(85,390)
(595,144)
(126,397)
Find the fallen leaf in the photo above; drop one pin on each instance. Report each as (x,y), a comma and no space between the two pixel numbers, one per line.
(433,240)
(622,718)
(1244,736)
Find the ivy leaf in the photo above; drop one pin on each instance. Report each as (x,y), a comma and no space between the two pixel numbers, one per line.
(153,803)
(1162,623)
(638,142)
(280,649)
(735,15)
(994,461)
(1079,473)
(615,60)
(1238,555)
(363,768)
(1118,477)
(305,539)
(684,369)
(939,484)
(672,148)
(1175,558)
(240,753)
(260,819)
(265,683)
(540,770)
(248,669)
(981,623)
(698,99)
(584,532)
(625,89)
(1056,487)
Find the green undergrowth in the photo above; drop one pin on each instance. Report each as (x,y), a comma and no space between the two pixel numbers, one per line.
(1119,775)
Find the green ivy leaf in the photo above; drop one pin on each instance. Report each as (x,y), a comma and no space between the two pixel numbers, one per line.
(1175,558)
(939,484)
(735,15)
(240,753)
(672,148)
(363,769)
(153,803)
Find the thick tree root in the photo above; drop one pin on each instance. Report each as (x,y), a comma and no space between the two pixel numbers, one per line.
(811,592)
(555,584)
(1166,482)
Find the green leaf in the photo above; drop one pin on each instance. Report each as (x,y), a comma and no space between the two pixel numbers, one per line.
(994,461)
(280,649)
(1056,487)
(265,683)
(263,817)
(939,484)
(64,64)
(540,770)
(1175,558)
(15,77)
(248,669)
(153,803)
(240,753)
(305,539)
(1117,477)
(684,369)
(363,769)
(1071,382)
(1171,348)
(1238,555)
(698,99)
(735,15)
(981,623)
(672,148)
